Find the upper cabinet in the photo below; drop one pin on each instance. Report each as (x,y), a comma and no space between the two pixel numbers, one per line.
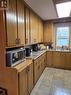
(34,27)
(15,25)
(40,31)
(21,22)
(22,25)
(48,32)
(27,18)
(11,23)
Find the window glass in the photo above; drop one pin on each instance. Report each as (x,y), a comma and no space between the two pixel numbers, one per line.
(62,36)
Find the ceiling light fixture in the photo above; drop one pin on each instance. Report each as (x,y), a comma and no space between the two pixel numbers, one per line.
(63,9)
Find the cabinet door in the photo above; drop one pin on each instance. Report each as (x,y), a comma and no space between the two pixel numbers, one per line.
(21,22)
(36,72)
(57,62)
(40,31)
(27,26)
(23,86)
(68,61)
(50,59)
(44,61)
(11,23)
(48,32)
(34,27)
(30,78)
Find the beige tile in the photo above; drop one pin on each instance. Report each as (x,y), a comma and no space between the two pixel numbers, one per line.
(53,82)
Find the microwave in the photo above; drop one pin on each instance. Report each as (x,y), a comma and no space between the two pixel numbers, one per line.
(15,57)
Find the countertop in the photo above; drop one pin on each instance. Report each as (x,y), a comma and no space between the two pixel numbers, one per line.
(58,50)
(35,55)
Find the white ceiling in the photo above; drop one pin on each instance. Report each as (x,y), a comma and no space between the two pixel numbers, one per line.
(44,8)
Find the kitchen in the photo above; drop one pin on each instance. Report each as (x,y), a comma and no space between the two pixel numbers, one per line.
(35,47)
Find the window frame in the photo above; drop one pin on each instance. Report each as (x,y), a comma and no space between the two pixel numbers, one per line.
(56,25)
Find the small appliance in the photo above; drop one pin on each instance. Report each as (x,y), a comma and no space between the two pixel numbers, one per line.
(15,57)
(27,52)
(35,47)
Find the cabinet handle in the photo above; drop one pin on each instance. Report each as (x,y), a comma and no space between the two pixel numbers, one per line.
(34,40)
(17,41)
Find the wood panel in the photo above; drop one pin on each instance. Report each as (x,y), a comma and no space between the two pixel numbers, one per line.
(50,59)
(2,39)
(32,27)
(23,86)
(25,72)
(21,22)
(48,32)
(9,80)
(40,31)
(68,61)
(39,66)
(30,78)
(36,74)
(11,21)
(59,59)
(27,26)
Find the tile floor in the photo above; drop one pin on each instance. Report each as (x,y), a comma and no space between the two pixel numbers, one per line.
(53,82)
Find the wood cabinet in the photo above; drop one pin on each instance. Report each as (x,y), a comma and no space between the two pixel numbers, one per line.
(59,59)
(23,85)
(19,19)
(25,77)
(49,58)
(11,23)
(39,66)
(32,27)
(68,61)
(36,27)
(48,32)
(30,78)
(57,62)
(21,22)
(40,33)
(26,80)
(27,17)
(15,24)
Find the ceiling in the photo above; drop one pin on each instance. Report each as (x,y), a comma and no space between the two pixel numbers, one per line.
(44,8)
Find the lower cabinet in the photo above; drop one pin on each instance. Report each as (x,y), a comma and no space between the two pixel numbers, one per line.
(28,73)
(30,78)
(39,66)
(23,85)
(59,59)
(25,79)
(49,58)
